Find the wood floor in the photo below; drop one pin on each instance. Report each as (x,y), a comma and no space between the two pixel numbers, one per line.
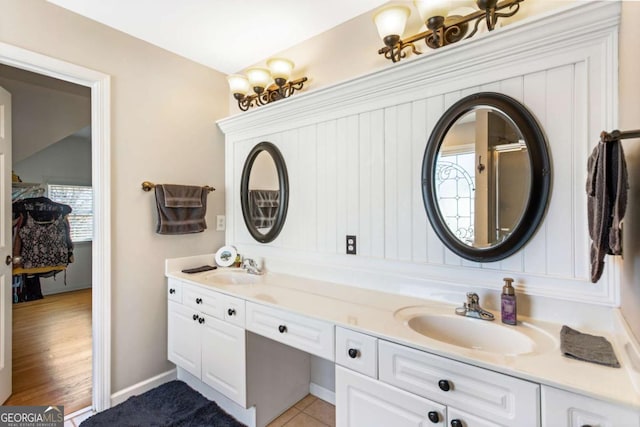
(52,351)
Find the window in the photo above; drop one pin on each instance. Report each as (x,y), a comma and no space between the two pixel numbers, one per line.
(80,198)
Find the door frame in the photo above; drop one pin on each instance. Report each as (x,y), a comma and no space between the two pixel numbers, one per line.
(100,85)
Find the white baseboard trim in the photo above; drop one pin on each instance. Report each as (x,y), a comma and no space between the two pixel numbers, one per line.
(143,386)
(323,393)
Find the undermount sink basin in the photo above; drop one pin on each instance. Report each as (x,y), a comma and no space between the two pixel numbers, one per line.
(482,335)
(233,277)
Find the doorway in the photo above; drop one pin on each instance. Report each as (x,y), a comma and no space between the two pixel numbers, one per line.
(99,85)
(51,163)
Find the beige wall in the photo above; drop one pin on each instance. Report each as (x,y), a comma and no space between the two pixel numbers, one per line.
(163,112)
(630,119)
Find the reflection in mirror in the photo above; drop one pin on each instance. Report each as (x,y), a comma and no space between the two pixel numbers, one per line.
(264,192)
(482,204)
(486,177)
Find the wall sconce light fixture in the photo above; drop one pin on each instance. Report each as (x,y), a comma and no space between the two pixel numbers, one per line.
(441,29)
(268,84)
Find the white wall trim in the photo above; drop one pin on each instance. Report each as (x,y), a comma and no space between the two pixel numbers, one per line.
(143,386)
(100,85)
(322,393)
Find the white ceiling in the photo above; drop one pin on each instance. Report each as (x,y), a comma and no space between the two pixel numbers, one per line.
(227,35)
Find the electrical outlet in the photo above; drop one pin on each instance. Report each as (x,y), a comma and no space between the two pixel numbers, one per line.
(221,223)
(351,245)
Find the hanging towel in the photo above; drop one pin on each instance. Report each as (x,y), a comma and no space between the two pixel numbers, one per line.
(182,196)
(607,185)
(590,348)
(181,209)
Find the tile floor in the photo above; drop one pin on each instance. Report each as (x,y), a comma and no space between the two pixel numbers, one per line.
(308,412)
(74,419)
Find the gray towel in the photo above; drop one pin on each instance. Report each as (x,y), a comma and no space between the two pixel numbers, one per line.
(607,185)
(589,348)
(180,220)
(182,196)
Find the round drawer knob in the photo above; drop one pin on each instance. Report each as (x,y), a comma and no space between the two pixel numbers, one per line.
(172,291)
(282,329)
(195,317)
(201,320)
(445,386)
(585,425)
(198,300)
(353,353)
(231,312)
(433,417)
(456,423)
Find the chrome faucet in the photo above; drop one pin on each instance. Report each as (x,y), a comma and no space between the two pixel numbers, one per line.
(472,308)
(251,266)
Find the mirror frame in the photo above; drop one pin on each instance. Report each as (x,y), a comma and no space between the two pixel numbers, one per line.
(283,181)
(540,167)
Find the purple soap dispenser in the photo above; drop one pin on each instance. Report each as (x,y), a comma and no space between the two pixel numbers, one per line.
(508,307)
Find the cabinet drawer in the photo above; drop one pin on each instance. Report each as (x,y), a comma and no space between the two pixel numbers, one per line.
(467,420)
(357,351)
(362,401)
(203,300)
(306,334)
(233,310)
(500,398)
(174,290)
(564,409)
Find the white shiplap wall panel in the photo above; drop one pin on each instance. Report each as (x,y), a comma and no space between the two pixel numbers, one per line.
(419,137)
(307,161)
(559,104)
(535,256)
(373,150)
(359,172)
(352,183)
(581,151)
(390,182)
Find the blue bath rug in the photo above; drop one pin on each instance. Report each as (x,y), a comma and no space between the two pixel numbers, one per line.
(171,404)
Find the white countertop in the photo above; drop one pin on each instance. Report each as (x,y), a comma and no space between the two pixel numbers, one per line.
(374,313)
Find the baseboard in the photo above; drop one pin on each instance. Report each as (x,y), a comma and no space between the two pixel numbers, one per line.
(143,386)
(323,393)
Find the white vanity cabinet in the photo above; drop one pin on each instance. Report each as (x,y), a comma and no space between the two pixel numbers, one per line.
(565,409)
(205,339)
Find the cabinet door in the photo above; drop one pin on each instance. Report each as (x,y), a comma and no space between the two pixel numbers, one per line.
(223,358)
(362,401)
(183,338)
(563,409)
(459,418)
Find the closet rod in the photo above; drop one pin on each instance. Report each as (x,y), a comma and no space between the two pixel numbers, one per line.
(616,134)
(148,186)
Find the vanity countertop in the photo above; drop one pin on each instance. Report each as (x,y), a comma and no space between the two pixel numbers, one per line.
(375,313)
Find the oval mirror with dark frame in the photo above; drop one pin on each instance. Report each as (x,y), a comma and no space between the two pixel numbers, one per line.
(264,192)
(486,177)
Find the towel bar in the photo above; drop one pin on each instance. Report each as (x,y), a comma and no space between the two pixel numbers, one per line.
(148,186)
(616,134)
